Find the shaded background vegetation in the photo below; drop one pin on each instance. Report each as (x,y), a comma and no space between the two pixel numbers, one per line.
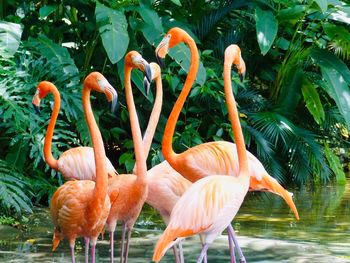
(294,102)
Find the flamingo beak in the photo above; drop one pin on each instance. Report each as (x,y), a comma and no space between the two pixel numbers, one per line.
(146,85)
(270,184)
(148,73)
(161,51)
(114,100)
(241,76)
(36,103)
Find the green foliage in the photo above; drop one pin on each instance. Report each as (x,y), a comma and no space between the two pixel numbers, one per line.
(15,190)
(266,29)
(294,102)
(112,26)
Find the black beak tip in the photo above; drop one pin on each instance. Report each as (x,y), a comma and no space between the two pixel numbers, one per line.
(36,108)
(148,73)
(146,85)
(114,106)
(161,62)
(241,77)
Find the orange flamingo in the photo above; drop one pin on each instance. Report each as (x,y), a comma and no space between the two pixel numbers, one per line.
(128,192)
(165,185)
(76,163)
(80,208)
(213,157)
(211,203)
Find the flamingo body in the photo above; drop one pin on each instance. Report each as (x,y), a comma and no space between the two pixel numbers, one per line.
(71,214)
(206,208)
(127,198)
(79,164)
(165,187)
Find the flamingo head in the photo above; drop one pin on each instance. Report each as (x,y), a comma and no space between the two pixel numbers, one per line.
(233,56)
(270,184)
(43,88)
(96,81)
(171,39)
(155,73)
(134,60)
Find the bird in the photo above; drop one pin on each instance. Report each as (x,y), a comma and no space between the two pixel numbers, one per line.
(165,185)
(80,208)
(128,192)
(210,158)
(210,203)
(76,163)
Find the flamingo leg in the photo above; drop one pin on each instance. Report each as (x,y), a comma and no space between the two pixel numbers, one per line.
(203,253)
(127,246)
(182,258)
(72,253)
(87,241)
(122,244)
(176,254)
(93,250)
(232,249)
(111,243)
(231,232)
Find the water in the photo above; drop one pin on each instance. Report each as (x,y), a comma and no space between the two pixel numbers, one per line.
(267,232)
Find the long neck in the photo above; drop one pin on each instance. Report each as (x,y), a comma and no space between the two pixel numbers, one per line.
(154,118)
(167,147)
(100,190)
(141,168)
(234,119)
(50,160)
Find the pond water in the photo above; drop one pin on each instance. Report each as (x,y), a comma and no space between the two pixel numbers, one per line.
(266,229)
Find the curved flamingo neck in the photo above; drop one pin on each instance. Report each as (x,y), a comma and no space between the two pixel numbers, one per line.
(50,160)
(167,147)
(234,119)
(141,168)
(154,117)
(100,190)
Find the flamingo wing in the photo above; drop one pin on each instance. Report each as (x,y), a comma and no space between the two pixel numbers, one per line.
(68,206)
(79,164)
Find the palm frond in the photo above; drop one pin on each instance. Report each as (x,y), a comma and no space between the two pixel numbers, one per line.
(15,191)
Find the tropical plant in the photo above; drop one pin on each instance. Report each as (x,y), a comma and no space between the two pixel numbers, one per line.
(294,102)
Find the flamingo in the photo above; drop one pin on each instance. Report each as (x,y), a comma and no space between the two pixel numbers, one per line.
(80,208)
(210,204)
(128,192)
(212,157)
(165,185)
(76,163)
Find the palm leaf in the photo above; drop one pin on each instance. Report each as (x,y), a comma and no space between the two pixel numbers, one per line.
(14,190)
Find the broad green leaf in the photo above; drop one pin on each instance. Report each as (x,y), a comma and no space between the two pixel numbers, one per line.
(152,27)
(113,28)
(150,16)
(336,31)
(266,29)
(182,55)
(326,59)
(322,4)
(312,100)
(292,13)
(341,14)
(10,37)
(46,10)
(50,50)
(176,2)
(335,165)
(338,89)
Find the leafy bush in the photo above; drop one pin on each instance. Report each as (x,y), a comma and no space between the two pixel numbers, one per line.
(293,104)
